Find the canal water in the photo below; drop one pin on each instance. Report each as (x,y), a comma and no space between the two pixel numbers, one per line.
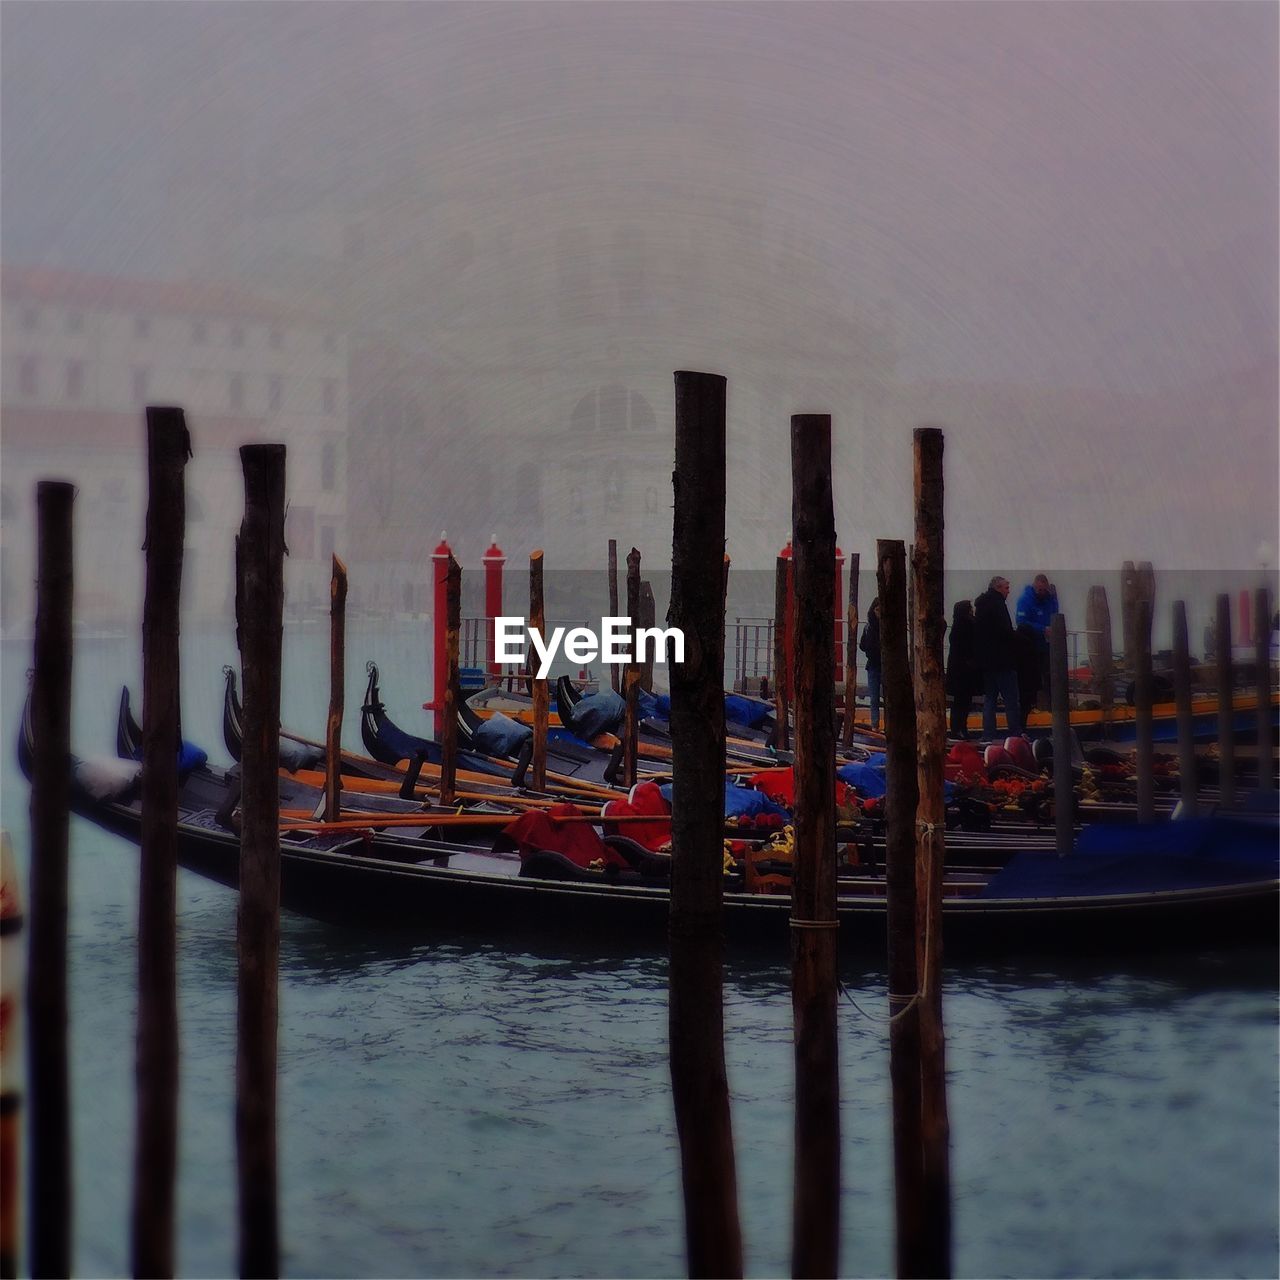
(454,1107)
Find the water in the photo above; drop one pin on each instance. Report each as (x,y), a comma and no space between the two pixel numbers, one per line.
(449,1107)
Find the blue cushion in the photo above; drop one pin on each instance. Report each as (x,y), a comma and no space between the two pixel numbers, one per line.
(499,735)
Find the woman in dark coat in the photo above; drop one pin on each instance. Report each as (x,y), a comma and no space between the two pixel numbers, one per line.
(870,645)
(964,676)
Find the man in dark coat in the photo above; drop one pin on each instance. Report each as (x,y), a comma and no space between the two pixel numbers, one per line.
(964,677)
(997,656)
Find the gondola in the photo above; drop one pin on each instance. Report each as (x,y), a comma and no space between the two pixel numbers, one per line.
(1088,903)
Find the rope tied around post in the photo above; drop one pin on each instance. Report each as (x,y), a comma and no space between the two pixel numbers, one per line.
(815,924)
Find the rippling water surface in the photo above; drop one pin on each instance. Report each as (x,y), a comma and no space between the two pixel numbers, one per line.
(452,1107)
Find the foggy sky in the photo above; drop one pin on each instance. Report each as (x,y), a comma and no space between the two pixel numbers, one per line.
(1066,197)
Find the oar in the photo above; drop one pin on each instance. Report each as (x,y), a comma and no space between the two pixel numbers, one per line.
(367,821)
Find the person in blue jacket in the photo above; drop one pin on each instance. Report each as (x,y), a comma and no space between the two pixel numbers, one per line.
(1036,606)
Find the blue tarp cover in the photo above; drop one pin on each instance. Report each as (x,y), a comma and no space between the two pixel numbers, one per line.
(501,736)
(750,712)
(1119,858)
(739,801)
(598,713)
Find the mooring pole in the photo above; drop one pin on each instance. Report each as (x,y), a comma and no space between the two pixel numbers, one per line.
(1064,793)
(815,1237)
(1226,704)
(1128,614)
(337,691)
(1101,658)
(1262,658)
(901,802)
(1187,772)
(613,603)
(541,697)
(631,681)
(260,626)
(1142,707)
(648,618)
(851,654)
(48,1082)
(156,1065)
(452,690)
(10,1052)
(699,1082)
(931,751)
(781,650)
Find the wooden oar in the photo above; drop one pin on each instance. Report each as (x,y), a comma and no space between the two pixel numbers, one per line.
(371,820)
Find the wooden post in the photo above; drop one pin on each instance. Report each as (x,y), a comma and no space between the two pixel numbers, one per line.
(931,752)
(631,681)
(10,1052)
(613,602)
(452,691)
(1226,708)
(156,1064)
(781,647)
(815,1238)
(851,654)
(1128,613)
(1142,699)
(337,691)
(1187,772)
(1101,656)
(1064,792)
(259,624)
(48,1083)
(541,697)
(901,802)
(648,618)
(1262,659)
(699,1082)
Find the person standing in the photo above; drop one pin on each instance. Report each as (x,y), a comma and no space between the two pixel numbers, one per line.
(1036,606)
(964,677)
(870,645)
(997,656)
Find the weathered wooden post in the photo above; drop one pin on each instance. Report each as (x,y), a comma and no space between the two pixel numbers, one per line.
(1142,700)
(541,697)
(1262,659)
(648,618)
(815,1238)
(1128,613)
(48,1082)
(156,1065)
(905,1002)
(10,1052)
(1187,771)
(851,654)
(1226,704)
(1064,792)
(613,602)
(699,1082)
(631,680)
(781,648)
(449,729)
(259,627)
(337,691)
(931,751)
(1101,655)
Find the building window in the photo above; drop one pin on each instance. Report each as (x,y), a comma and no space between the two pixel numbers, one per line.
(275,339)
(275,392)
(235,393)
(141,378)
(75,321)
(28,376)
(75,379)
(235,335)
(326,542)
(199,331)
(329,466)
(30,319)
(141,326)
(329,396)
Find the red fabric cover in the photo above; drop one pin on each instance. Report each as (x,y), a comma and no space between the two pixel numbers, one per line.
(778,784)
(577,841)
(646,800)
(965,758)
(996,756)
(1020,752)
